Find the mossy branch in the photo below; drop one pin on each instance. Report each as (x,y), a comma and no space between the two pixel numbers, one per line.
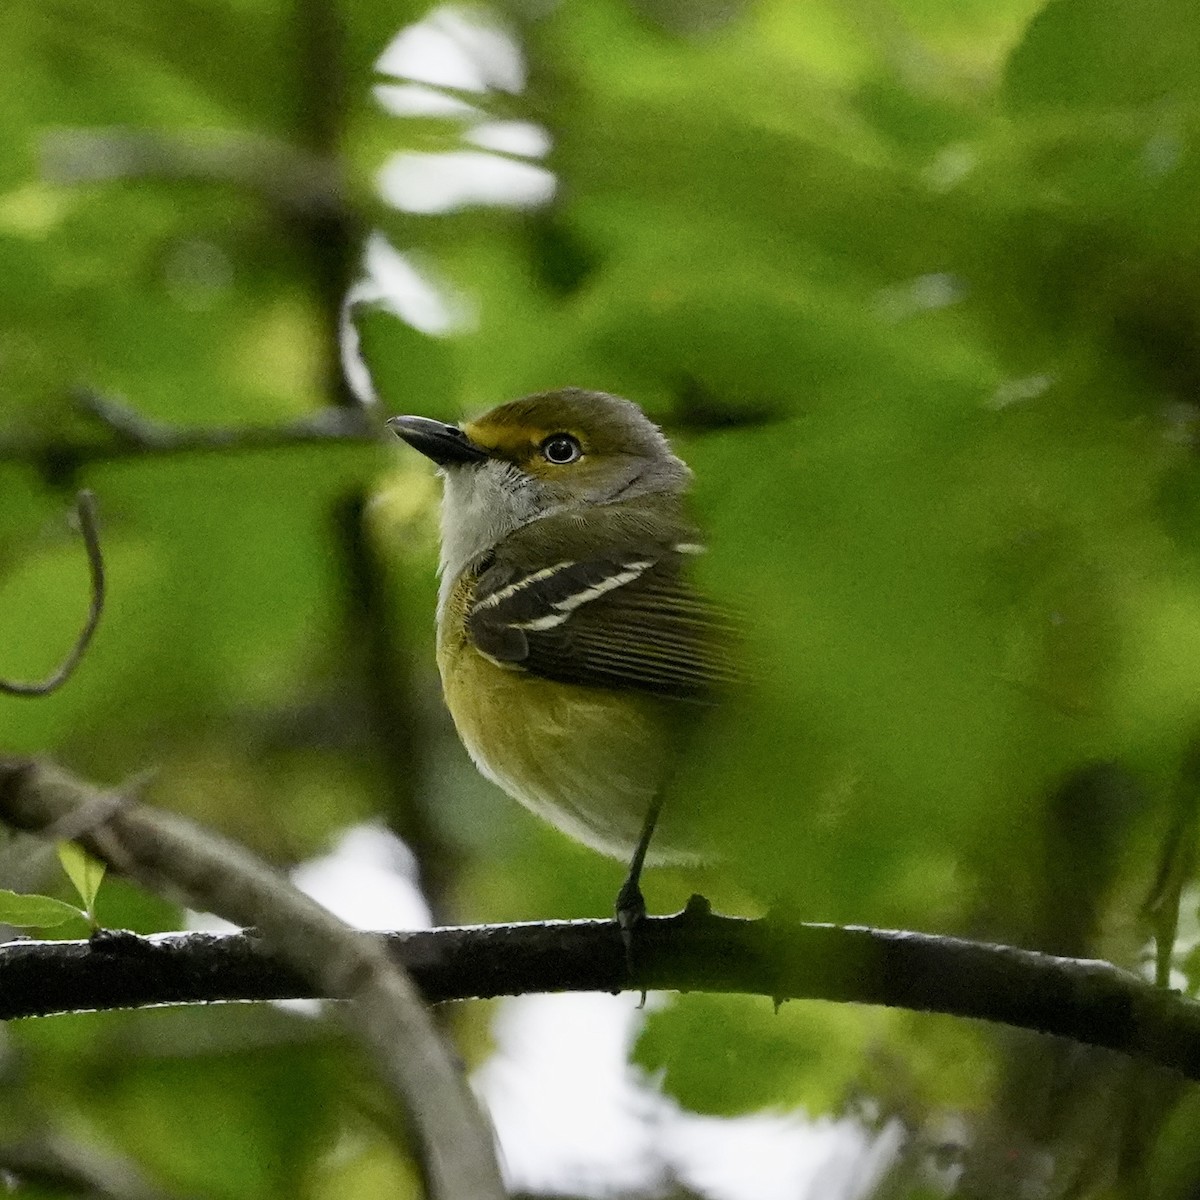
(1088,1001)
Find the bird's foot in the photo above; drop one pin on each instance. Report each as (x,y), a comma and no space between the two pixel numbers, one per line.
(631,911)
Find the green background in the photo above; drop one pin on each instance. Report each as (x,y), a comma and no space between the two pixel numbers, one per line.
(914,286)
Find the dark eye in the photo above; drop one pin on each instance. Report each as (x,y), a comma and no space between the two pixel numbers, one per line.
(561,448)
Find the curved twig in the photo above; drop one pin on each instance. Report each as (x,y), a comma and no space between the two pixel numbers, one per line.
(85,508)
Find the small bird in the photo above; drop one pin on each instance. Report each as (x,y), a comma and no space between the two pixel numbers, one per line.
(572,647)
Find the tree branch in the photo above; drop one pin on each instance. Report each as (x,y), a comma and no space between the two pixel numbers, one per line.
(85,507)
(130,435)
(63,1165)
(192,866)
(1086,1000)
(288,178)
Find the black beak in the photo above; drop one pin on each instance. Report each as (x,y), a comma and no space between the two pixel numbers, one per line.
(447,445)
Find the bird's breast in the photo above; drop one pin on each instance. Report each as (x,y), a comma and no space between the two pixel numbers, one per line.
(588,760)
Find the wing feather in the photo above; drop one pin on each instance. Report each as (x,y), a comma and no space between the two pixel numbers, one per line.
(627,617)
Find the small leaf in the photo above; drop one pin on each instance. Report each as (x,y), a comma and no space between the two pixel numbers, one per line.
(35,912)
(84,871)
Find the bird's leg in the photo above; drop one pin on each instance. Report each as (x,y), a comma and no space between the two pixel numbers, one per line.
(631,904)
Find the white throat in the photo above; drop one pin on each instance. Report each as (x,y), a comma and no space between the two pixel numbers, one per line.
(480,506)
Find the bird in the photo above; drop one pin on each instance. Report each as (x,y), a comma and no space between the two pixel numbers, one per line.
(575,652)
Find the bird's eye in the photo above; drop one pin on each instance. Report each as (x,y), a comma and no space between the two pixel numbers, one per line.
(561,448)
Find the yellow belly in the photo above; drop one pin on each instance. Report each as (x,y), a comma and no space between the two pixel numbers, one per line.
(588,760)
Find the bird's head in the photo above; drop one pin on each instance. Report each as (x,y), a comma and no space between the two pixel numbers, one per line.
(550,452)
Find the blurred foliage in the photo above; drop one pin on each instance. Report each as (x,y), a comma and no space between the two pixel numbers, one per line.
(915,285)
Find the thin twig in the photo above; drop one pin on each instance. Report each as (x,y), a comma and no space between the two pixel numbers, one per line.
(85,507)
(296,182)
(132,436)
(134,432)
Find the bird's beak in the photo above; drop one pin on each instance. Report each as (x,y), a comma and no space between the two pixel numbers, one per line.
(447,445)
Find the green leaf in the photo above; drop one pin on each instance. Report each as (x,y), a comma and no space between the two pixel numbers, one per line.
(84,871)
(1107,53)
(800,1055)
(35,912)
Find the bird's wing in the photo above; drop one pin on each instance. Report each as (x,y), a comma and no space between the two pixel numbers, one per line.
(622,618)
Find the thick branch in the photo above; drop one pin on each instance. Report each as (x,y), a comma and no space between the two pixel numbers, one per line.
(1086,1000)
(72,1168)
(177,859)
